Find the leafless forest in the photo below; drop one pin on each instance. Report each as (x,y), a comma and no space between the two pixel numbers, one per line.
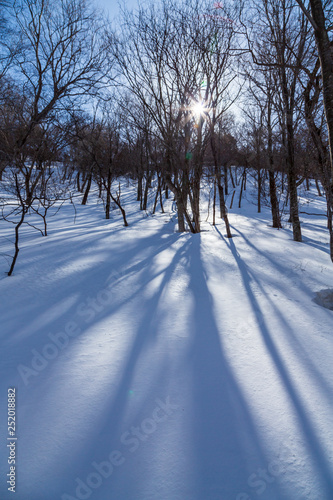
(173,91)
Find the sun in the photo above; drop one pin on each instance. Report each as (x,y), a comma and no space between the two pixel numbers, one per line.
(198,109)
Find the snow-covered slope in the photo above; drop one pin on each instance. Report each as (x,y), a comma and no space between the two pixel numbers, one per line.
(153,365)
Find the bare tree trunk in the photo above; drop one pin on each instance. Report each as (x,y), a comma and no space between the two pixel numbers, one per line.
(145,196)
(180,214)
(276,219)
(259,191)
(139,191)
(17,249)
(291,174)
(274,201)
(326,63)
(100,186)
(241,191)
(157,194)
(232,199)
(195,205)
(226,181)
(224,213)
(293,200)
(232,178)
(78,182)
(44,221)
(330,221)
(219,183)
(161,200)
(86,193)
(214,201)
(223,208)
(116,200)
(181,209)
(108,195)
(310,102)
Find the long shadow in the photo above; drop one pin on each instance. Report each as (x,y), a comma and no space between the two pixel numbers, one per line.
(323,247)
(146,334)
(310,242)
(222,426)
(311,440)
(95,277)
(227,445)
(292,339)
(114,422)
(280,269)
(145,339)
(110,416)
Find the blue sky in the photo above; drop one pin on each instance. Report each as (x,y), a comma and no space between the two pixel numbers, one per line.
(112,5)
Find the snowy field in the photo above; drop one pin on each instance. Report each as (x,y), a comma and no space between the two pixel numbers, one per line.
(153,365)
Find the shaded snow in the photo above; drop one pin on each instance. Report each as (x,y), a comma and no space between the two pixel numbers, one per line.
(222,334)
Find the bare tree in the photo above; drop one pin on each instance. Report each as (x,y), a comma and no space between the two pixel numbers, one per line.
(7,43)
(26,184)
(281,39)
(262,91)
(320,17)
(63,60)
(64,57)
(175,59)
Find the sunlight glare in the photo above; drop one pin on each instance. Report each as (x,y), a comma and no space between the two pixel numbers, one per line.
(198,109)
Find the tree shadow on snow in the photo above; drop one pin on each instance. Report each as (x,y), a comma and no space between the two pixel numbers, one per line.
(289,274)
(320,462)
(55,387)
(227,445)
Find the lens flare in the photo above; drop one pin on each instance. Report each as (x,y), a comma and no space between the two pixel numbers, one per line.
(198,109)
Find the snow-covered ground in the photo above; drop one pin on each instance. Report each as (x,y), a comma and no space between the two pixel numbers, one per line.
(153,365)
